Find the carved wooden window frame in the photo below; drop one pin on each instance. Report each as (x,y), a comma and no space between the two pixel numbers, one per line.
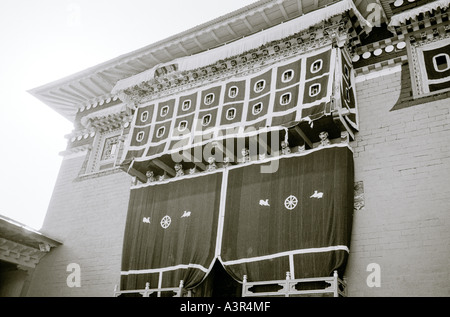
(285,78)
(186,102)
(417,70)
(209,99)
(289,96)
(234,89)
(257,108)
(206,122)
(97,162)
(313,68)
(229,111)
(311,89)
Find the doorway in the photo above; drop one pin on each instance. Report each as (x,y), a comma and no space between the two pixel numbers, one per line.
(218,283)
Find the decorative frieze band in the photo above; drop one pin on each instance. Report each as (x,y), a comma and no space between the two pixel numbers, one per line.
(170,81)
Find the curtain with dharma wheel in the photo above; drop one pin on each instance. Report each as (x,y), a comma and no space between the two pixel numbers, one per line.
(171,233)
(296,219)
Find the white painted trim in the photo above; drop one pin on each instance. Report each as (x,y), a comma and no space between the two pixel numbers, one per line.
(234,115)
(254,108)
(380,73)
(158,134)
(317,70)
(447,58)
(283,80)
(399,19)
(318,91)
(161,111)
(237,92)
(189,101)
(291,266)
(288,253)
(73,153)
(165,269)
(211,100)
(223,195)
(259,162)
(281,99)
(146,113)
(248,43)
(256,84)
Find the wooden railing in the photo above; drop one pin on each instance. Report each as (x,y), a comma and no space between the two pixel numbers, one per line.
(147,291)
(319,286)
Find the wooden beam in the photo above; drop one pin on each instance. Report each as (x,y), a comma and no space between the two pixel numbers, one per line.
(64,99)
(107,78)
(198,43)
(99,85)
(231,30)
(130,68)
(303,136)
(89,89)
(59,100)
(169,170)
(76,93)
(338,117)
(219,147)
(116,71)
(168,53)
(136,173)
(189,158)
(300,6)
(72,95)
(140,62)
(263,144)
(248,24)
(215,36)
(283,11)
(263,14)
(154,58)
(183,49)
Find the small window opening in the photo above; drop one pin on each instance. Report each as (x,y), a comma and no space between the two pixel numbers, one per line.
(314,90)
(257,108)
(316,66)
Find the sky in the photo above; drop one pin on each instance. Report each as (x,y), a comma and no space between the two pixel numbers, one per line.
(43,41)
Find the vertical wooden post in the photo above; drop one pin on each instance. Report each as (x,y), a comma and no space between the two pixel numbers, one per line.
(244,282)
(146,292)
(336,285)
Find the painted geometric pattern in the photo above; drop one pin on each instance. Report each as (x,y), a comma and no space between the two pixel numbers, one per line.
(278,96)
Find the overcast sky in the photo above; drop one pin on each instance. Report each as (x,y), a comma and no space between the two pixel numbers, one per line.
(43,41)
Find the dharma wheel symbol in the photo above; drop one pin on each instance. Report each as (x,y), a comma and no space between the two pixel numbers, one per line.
(165,222)
(291,202)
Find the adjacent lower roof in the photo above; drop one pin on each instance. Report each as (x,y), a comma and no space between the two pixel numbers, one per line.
(23,245)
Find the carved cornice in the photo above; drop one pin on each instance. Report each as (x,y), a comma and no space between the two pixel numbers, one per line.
(100,101)
(20,254)
(118,117)
(418,15)
(22,245)
(333,31)
(415,63)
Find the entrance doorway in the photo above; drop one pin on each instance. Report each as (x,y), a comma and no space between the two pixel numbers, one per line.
(218,283)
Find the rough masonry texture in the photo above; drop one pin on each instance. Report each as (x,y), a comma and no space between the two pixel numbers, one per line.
(89,216)
(402,157)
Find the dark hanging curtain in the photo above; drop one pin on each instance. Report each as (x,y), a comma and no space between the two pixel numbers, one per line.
(297,219)
(171,230)
(267,232)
